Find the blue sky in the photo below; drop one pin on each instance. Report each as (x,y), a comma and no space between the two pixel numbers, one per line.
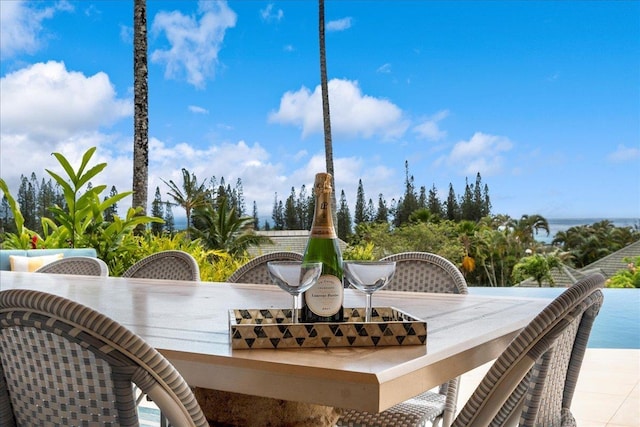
(541,98)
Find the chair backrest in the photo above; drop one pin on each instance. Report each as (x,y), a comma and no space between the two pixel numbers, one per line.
(425,272)
(62,363)
(169,265)
(532,382)
(81,265)
(255,271)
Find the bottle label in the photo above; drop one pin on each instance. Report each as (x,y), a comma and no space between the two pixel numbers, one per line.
(325,297)
(323,222)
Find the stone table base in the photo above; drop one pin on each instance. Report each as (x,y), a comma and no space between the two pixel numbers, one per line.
(226,409)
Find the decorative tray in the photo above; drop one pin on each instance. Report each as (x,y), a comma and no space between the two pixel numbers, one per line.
(272,328)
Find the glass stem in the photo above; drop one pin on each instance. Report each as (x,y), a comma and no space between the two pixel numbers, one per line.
(367,313)
(296,308)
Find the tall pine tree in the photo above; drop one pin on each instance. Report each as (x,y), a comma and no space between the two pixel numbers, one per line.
(360,215)
(453,209)
(112,210)
(433,202)
(157,210)
(344,218)
(382,215)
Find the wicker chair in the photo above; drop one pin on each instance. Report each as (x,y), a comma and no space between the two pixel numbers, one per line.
(255,271)
(425,272)
(418,272)
(168,265)
(532,382)
(62,363)
(81,265)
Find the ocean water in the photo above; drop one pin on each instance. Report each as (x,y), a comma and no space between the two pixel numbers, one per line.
(617,324)
(562,224)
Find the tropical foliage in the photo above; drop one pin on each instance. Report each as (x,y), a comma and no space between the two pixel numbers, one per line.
(80,221)
(491,250)
(192,195)
(588,243)
(364,252)
(536,266)
(221,228)
(215,265)
(628,278)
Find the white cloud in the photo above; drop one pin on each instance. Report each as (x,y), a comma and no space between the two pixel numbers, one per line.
(482,153)
(48,102)
(624,154)
(21,25)
(377,179)
(430,129)
(23,154)
(45,108)
(384,68)
(194,40)
(51,109)
(198,110)
(268,14)
(250,163)
(339,24)
(352,113)
(126,34)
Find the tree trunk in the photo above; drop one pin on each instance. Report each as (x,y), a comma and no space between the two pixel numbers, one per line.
(141,108)
(328,145)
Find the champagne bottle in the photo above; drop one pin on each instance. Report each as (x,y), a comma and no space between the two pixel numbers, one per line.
(323,302)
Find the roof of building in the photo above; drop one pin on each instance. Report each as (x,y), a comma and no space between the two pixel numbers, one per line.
(608,266)
(285,240)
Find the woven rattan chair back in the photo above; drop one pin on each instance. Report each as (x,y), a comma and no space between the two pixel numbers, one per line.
(255,271)
(532,382)
(168,265)
(418,272)
(62,363)
(425,272)
(81,265)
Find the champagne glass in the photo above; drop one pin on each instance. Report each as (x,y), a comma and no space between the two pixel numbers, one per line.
(368,277)
(295,277)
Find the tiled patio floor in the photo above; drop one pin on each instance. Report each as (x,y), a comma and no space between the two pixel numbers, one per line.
(608,390)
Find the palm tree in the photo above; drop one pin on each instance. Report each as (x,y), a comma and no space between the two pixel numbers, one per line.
(194,195)
(141,108)
(223,229)
(529,225)
(326,116)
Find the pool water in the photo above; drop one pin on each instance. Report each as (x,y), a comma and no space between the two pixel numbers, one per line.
(617,324)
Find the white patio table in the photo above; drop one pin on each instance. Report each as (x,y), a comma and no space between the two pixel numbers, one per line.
(188,323)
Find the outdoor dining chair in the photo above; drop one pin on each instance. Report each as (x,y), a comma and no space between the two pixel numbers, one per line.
(533,381)
(62,363)
(81,265)
(255,271)
(167,265)
(418,272)
(164,265)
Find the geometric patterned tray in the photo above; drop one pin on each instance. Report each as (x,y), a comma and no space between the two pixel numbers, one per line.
(272,328)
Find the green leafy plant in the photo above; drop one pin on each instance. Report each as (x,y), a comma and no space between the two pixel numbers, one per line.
(536,266)
(82,210)
(628,278)
(215,265)
(81,222)
(22,239)
(221,228)
(362,252)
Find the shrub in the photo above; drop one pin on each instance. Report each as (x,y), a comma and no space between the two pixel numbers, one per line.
(628,278)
